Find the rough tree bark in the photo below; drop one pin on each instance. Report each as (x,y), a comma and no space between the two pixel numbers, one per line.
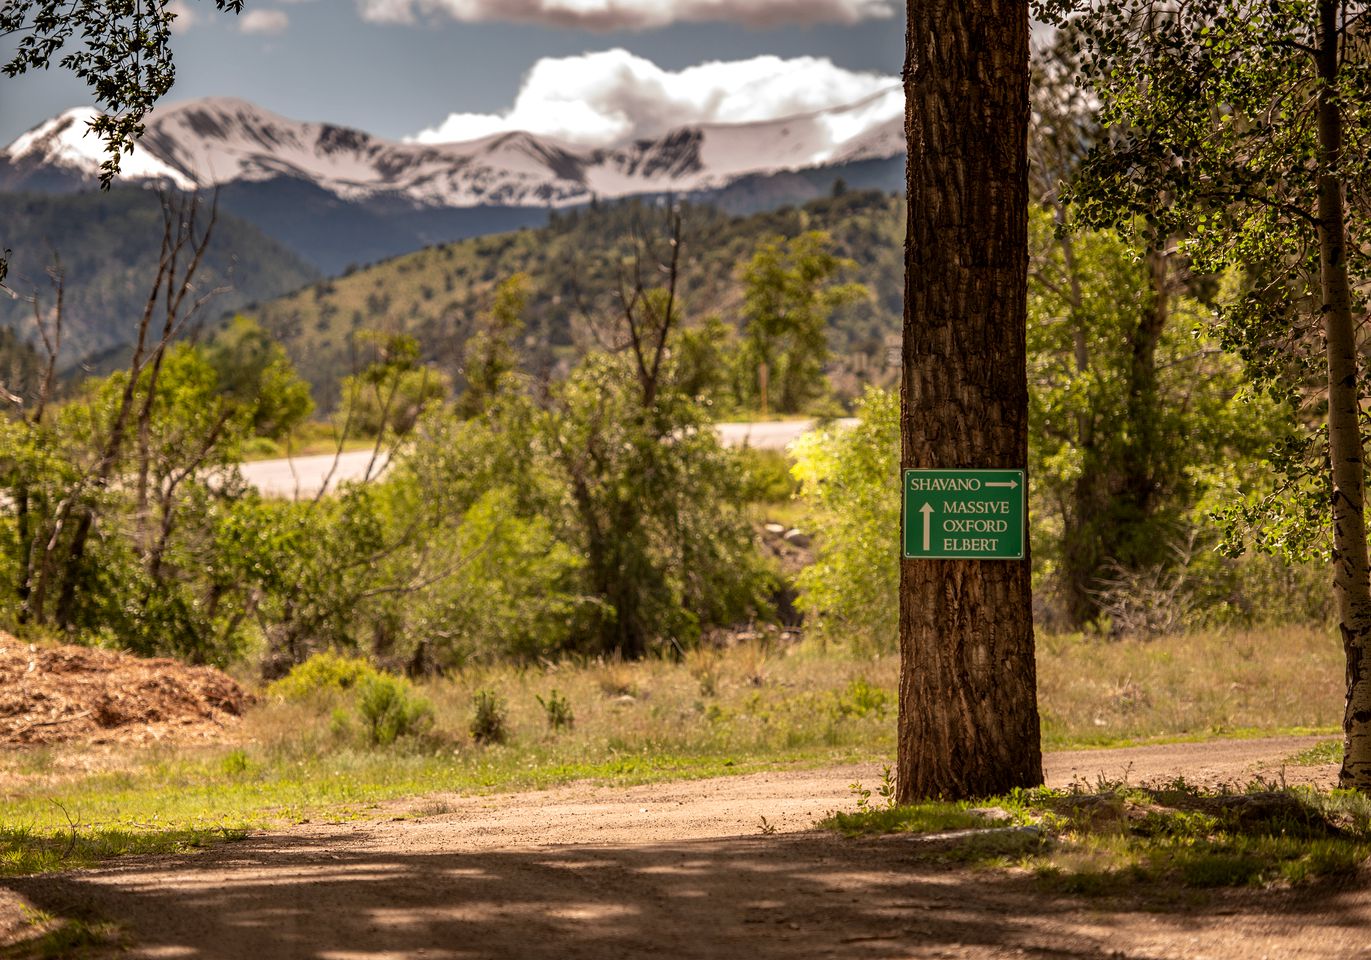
(1351,571)
(968,701)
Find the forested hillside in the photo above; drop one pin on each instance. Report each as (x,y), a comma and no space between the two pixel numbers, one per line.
(20,366)
(574,267)
(107,246)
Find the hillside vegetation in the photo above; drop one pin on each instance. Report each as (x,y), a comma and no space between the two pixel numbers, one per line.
(574,264)
(107,245)
(592,512)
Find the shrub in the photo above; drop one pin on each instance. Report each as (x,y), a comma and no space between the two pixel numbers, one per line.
(850,479)
(558,711)
(322,672)
(766,476)
(861,698)
(235,763)
(488,717)
(516,596)
(390,709)
(654,503)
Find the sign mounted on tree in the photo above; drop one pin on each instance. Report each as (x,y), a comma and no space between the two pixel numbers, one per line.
(964,514)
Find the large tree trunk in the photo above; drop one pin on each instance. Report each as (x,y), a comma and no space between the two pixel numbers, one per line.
(968,701)
(1351,576)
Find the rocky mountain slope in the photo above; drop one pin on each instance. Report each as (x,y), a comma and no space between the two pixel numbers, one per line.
(219,141)
(339,196)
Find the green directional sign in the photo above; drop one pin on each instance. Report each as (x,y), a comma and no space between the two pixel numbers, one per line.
(964,514)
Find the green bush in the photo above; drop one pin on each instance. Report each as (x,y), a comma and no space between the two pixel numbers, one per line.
(156,582)
(488,717)
(850,478)
(516,596)
(558,711)
(322,672)
(235,763)
(861,698)
(390,709)
(656,508)
(766,476)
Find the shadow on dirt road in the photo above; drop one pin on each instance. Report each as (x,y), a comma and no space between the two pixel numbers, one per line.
(762,898)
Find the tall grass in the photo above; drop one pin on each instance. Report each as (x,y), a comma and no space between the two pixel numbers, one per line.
(292,760)
(1210,683)
(747,708)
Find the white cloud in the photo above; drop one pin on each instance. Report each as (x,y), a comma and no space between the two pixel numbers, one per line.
(630,14)
(598,99)
(264,21)
(184,16)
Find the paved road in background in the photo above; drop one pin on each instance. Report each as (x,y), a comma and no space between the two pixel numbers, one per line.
(769,435)
(303,476)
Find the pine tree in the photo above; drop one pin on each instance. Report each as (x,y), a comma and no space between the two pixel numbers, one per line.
(968,702)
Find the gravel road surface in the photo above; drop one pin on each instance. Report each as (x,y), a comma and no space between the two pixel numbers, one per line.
(681,870)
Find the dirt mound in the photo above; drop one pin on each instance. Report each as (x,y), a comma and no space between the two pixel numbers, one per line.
(54,693)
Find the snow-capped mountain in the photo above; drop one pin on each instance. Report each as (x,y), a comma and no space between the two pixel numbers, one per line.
(221,141)
(338,196)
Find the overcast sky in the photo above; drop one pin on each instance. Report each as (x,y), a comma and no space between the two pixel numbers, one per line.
(593,71)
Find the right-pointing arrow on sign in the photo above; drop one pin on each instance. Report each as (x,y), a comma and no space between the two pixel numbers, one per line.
(1011,484)
(927,511)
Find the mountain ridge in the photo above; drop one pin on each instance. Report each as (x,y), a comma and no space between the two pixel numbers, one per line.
(216,141)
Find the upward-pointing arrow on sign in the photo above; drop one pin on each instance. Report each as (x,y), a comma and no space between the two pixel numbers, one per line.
(927,511)
(1011,484)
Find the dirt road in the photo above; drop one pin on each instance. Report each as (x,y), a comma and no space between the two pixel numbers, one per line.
(680,870)
(303,476)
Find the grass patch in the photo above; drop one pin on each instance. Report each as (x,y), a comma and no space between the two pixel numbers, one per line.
(26,850)
(293,761)
(756,706)
(1201,685)
(178,805)
(1329,751)
(1111,840)
(929,817)
(64,938)
(313,438)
